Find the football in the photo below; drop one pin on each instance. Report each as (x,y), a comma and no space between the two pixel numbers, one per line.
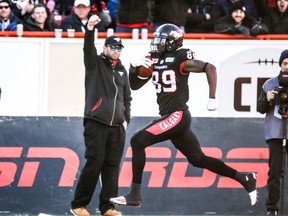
(143,71)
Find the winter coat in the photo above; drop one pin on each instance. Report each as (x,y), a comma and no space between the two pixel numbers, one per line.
(30,25)
(277,22)
(74,22)
(14,21)
(249,26)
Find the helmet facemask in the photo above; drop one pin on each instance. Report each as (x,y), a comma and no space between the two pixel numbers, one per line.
(158,44)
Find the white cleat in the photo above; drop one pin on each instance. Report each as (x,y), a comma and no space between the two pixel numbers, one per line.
(250,186)
(254,197)
(121,200)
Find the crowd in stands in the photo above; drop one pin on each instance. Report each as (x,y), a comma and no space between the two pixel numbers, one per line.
(247,17)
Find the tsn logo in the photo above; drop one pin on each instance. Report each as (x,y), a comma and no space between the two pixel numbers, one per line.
(158,160)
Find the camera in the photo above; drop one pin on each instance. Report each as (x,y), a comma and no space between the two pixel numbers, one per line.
(282,100)
(282,96)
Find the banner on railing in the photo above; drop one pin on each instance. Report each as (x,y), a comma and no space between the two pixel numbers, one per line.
(41,159)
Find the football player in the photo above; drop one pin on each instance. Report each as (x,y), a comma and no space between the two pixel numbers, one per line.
(172,65)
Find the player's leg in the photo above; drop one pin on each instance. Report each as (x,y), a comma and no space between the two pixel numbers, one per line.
(139,141)
(188,145)
(152,133)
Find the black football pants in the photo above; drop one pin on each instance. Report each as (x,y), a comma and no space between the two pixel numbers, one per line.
(175,127)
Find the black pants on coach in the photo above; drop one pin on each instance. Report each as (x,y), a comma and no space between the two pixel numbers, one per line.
(274,173)
(104,150)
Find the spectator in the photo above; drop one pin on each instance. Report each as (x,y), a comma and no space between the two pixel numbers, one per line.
(39,20)
(8,21)
(63,7)
(67,7)
(23,8)
(79,18)
(224,7)
(99,8)
(170,11)
(50,4)
(276,18)
(201,17)
(132,14)
(238,23)
(112,6)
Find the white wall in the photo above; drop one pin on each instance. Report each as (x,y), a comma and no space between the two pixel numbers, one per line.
(45,76)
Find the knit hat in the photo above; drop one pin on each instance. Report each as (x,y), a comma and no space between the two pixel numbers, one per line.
(7,1)
(283,56)
(113,40)
(238,5)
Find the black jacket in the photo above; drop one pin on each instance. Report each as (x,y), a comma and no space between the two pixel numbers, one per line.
(170,11)
(249,26)
(74,22)
(196,20)
(276,21)
(107,89)
(30,25)
(133,11)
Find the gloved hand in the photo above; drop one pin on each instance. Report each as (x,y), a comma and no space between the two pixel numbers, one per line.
(243,30)
(105,18)
(258,29)
(22,4)
(125,124)
(144,61)
(212,104)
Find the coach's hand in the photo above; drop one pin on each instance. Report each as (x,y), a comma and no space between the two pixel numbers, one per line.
(212,104)
(93,20)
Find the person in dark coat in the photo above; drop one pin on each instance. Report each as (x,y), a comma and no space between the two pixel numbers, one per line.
(39,20)
(8,21)
(170,11)
(201,17)
(132,14)
(276,18)
(106,116)
(79,18)
(224,7)
(239,23)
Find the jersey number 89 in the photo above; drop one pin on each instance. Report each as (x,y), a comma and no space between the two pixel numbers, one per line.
(167,82)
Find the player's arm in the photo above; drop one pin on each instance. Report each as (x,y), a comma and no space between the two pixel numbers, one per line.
(198,66)
(136,82)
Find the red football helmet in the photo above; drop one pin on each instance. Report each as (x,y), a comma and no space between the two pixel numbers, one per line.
(167,37)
